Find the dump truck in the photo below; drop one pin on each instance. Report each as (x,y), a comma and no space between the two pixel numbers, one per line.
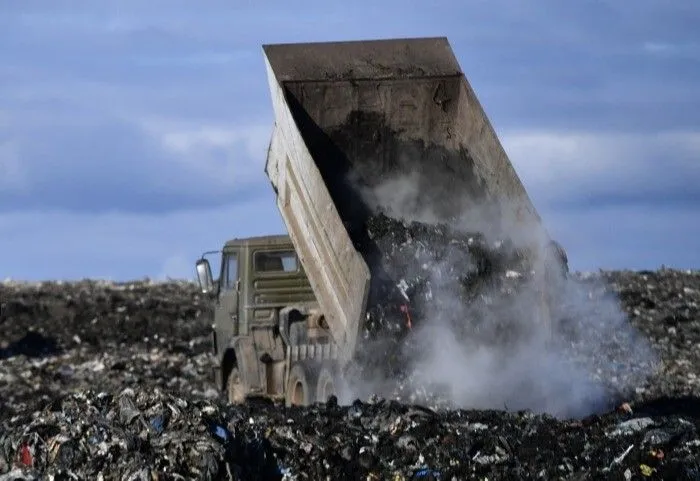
(360,127)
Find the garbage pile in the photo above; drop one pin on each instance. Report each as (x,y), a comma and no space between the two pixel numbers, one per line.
(664,305)
(62,337)
(148,434)
(97,312)
(80,399)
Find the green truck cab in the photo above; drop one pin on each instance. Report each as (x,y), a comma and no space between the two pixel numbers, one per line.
(269,336)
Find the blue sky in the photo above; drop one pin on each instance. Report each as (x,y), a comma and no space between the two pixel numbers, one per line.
(133,134)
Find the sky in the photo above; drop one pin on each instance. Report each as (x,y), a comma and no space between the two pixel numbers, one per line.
(133,134)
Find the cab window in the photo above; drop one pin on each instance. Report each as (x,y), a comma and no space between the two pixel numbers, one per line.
(230,271)
(278,261)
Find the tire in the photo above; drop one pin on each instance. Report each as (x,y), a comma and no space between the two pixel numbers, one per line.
(327,385)
(235,389)
(300,387)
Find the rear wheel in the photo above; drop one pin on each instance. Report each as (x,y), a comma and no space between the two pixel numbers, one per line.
(326,385)
(302,380)
(235,388)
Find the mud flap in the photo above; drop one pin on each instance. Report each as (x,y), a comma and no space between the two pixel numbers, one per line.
(301,386)
(248,364)
(327,383)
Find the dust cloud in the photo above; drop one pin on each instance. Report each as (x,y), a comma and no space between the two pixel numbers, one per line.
(568,369)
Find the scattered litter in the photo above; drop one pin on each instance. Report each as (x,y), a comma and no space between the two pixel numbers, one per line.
(87,392)
(646,470)
(631,426)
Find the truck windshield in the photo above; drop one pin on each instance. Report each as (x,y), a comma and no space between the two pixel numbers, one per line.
(278,261)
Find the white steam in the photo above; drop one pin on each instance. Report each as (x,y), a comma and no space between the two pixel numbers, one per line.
(560,371)
(544,370)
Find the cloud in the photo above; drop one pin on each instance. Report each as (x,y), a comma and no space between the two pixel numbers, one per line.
(13,177)
(628,236)
(58,244)
(614,200)
(212,149)
(688,50)
(148,122)
(581,169)
(106,163)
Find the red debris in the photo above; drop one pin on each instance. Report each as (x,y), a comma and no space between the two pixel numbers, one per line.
(25,455)
(404,309)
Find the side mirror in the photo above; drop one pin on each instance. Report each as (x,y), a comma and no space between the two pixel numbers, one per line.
(204,276)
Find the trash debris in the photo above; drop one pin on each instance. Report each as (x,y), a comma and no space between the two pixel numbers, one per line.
(128,395)
(413,253)
(418,266)
(625,408)
(631,426)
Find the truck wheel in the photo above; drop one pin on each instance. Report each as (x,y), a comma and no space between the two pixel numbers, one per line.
(326,385)
(299,388)
(235,388)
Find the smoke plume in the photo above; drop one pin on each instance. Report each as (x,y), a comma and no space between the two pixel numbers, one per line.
(495,352)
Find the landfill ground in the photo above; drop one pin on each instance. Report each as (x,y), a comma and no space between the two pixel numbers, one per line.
(101,381)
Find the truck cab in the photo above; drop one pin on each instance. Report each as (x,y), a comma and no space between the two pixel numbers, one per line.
(269,335)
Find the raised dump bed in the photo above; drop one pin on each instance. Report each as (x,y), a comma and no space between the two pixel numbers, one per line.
(388,126)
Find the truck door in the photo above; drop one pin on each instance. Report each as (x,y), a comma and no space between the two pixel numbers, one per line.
(226,316)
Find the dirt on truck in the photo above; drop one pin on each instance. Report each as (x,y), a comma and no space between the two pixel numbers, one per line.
(386,171)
